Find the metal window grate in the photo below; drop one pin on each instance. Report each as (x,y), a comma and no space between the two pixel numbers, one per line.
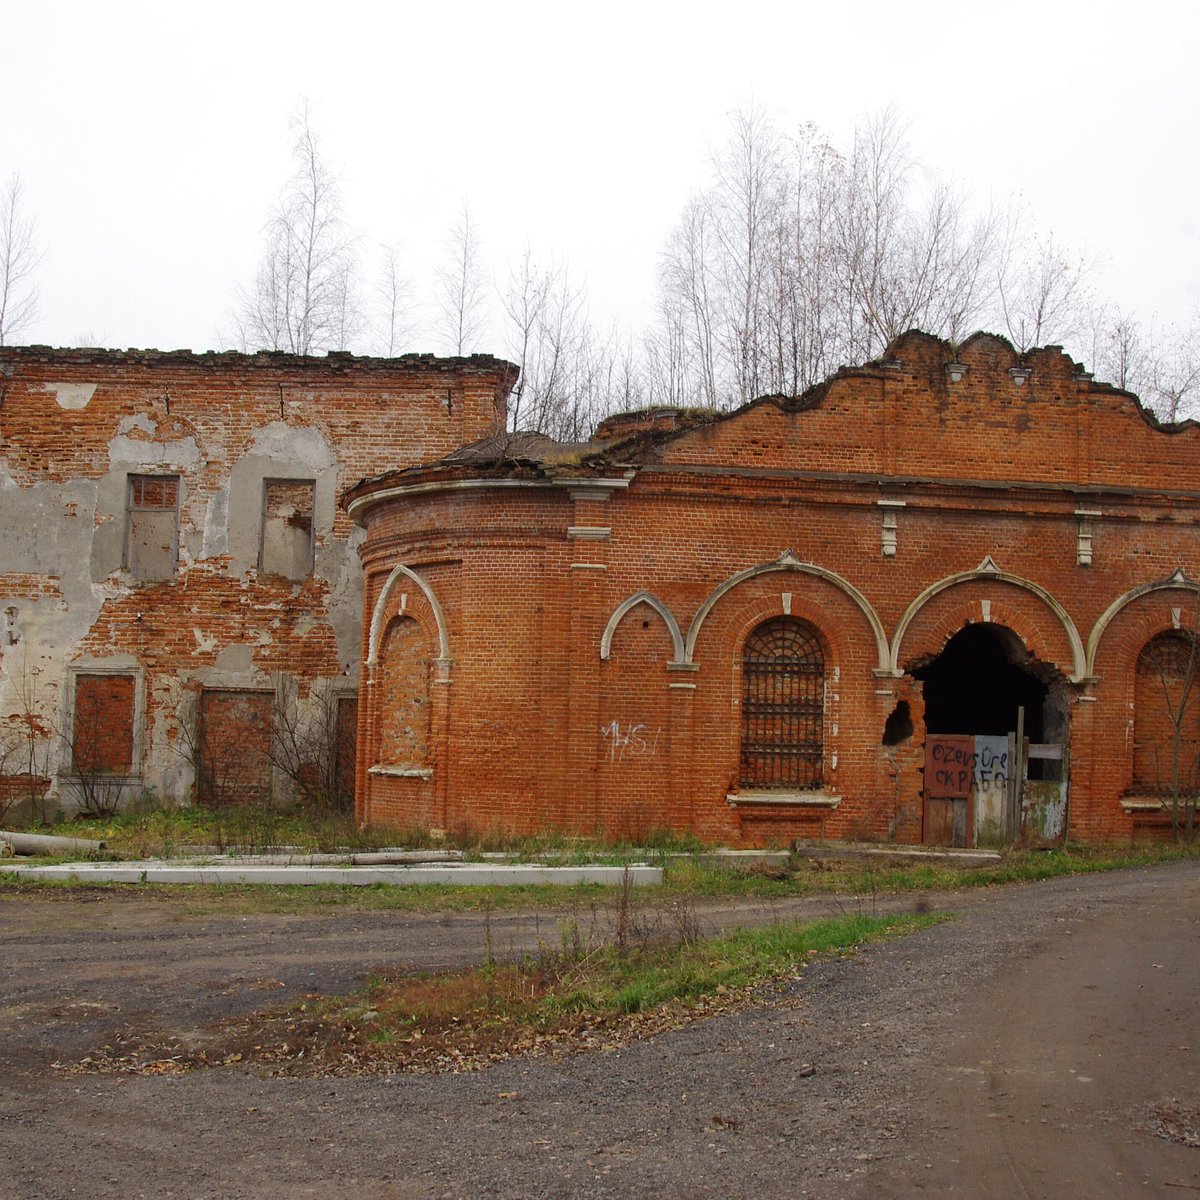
(783,703)
(153,492)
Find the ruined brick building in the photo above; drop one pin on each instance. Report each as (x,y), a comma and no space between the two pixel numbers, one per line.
(942,597)
(180,594)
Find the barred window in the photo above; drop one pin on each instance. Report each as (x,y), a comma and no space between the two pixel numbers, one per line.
(783,705)
(1166,716)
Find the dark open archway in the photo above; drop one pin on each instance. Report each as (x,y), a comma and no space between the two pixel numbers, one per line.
(979,691)
(979,681)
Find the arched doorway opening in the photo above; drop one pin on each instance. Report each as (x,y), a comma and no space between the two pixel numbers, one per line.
(995,731)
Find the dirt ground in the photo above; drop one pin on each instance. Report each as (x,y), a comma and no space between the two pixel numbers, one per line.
(1042,1044)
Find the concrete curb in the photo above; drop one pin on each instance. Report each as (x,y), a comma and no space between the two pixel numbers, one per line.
(476,874)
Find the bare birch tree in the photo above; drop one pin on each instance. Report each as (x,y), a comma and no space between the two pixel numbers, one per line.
(797,258)
(1120,351)
(304,297)
(461,287)
(524,303)
(1043,290)
(1174,372)
(393,296)
(19,258)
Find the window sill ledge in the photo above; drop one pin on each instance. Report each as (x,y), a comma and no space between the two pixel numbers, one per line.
(780,798)
(1149,804)
(400,771)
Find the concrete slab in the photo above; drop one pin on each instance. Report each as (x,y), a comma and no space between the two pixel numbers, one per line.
(478,874)
(947,856)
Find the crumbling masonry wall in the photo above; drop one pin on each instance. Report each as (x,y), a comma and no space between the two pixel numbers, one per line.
(171,529)
(595,603)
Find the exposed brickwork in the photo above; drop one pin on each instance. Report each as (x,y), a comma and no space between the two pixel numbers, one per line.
(233,758)
(183,598)
(102,729)
(15,586)
(1037,510)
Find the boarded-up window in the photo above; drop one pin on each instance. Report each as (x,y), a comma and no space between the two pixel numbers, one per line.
(152,526)
(102,725)
(347,733)
(234,760)
(286,548)
(1166,715)
(783,706)
(404,695)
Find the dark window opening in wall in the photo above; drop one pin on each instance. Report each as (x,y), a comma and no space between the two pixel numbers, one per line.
(233,759)
(1166,716)
(286,546)
(102,725)
(152,526)
(980,680)
(783,706)
(898,727)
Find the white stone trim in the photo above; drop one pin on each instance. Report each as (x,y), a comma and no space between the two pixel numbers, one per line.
(377,617)
(889,531)
(588,488)
(1136,804)
(1177,580)
(787,561)
(758,797)
(400,771)
(628,605)
(1085,534)
(990,571)
(358,508)
(588,533)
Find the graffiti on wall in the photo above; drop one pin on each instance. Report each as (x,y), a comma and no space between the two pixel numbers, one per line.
(630,741)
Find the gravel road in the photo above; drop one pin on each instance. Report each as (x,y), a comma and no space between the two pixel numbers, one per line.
(1035,1046)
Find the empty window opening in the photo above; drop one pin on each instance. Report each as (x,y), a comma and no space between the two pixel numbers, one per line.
(899,725)
(286,545)
(1166,716)
(783,706)
(152,527)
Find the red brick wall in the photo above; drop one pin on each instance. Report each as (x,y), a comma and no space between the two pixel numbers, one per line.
(991,476)
(404,695)
(102,729)
(1166,715)
(234,751)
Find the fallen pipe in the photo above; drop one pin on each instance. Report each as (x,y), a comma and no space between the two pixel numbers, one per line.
(46,843)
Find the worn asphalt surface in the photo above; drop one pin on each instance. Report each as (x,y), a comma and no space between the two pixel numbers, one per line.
(1028,1048)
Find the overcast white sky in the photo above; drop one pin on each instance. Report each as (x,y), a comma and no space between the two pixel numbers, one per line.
(152,138)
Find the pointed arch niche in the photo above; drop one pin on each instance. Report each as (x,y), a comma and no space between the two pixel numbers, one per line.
(989,595)
(788,562)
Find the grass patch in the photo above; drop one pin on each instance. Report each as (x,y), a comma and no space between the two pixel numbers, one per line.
(685,878)
(557,1003)
(704,876)
(156,832)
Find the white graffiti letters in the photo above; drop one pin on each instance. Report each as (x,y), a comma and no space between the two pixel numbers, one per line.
(630,741)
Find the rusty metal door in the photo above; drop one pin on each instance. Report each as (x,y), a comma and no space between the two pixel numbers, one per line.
(949,775)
